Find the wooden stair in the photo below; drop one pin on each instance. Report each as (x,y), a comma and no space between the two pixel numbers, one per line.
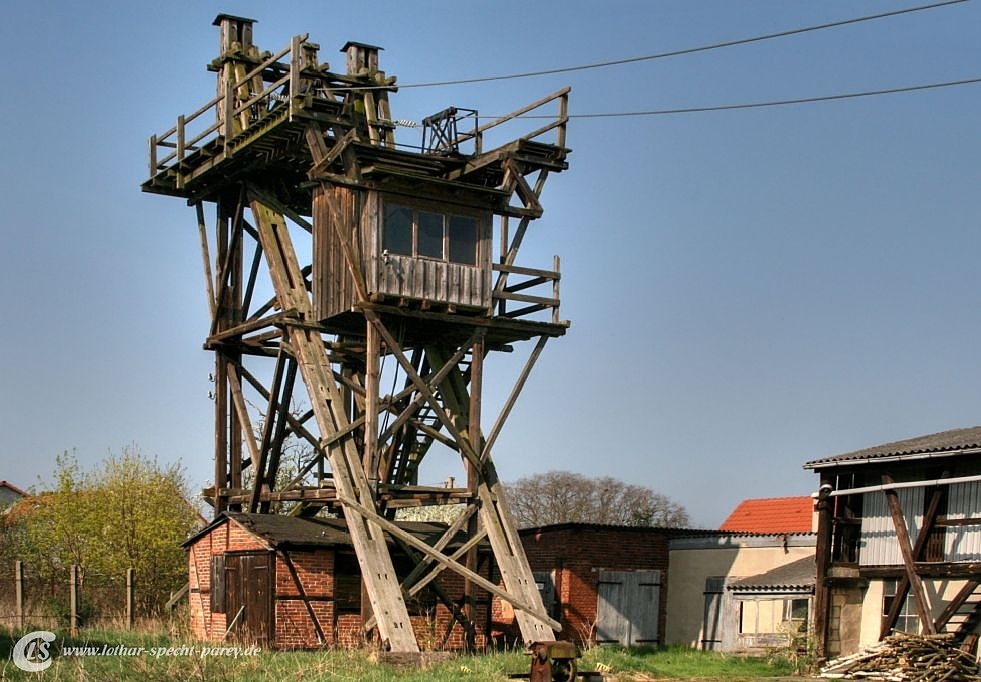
(963,615)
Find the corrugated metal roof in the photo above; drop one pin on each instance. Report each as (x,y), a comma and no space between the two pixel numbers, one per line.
(771,515)
(951,442)
(800,574)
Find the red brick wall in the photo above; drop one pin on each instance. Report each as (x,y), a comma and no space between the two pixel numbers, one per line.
(294,628)
(315,572)
(577,554)
(206,625)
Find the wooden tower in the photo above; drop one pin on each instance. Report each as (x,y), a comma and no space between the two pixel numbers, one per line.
(411,260)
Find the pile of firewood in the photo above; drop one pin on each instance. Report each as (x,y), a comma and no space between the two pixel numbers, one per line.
(901,657)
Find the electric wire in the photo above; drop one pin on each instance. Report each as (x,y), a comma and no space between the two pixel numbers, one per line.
(671,53)
(760,105)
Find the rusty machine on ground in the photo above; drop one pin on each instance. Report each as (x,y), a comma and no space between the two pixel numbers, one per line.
(409,255)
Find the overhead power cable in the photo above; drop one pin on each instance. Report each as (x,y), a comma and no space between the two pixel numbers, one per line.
(772,103)
(677,53)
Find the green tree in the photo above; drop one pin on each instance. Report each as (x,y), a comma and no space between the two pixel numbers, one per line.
(129,512)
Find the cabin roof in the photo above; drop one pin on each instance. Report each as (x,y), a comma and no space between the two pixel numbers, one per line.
(943,444)
(771,515)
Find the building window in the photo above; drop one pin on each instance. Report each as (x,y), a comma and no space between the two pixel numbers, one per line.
(796,616)
(347,584)
(907,621)
(408,231)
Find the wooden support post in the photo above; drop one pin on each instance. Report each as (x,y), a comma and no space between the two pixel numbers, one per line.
(367,537)
(73,600)
(822,553)
(130,586)
(19,593)
(372,362)
(902,535)
(473,480)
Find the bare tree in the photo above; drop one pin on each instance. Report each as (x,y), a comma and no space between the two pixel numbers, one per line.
(563,496)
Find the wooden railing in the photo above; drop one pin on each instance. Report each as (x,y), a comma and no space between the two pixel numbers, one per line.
(559,123)
(536,301)
(181,142)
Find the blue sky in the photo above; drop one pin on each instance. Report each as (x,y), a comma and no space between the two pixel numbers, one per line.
(748,289)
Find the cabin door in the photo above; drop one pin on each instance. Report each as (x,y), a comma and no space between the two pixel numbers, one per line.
(248,590)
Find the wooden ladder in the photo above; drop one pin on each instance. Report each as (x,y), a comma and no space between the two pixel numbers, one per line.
(368,538)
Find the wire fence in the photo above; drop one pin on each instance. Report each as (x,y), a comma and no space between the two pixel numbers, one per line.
(65,598)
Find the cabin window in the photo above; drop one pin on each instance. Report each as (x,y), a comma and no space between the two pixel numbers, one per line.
(420,233)
(463,239)
(397,231)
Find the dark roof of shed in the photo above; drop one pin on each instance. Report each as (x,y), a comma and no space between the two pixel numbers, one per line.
(577,525)
(278,530)
(945,443)
(795,575)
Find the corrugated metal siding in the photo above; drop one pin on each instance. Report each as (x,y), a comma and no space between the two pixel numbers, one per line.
(878,546)
(963,543)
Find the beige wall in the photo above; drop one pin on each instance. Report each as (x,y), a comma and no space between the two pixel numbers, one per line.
(939,592)
(735,557)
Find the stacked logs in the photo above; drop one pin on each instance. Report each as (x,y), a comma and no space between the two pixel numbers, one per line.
(901,657)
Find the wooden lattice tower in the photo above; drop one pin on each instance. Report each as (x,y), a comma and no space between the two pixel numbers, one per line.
(406,266)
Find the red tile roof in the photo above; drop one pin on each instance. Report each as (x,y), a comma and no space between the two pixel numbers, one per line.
(771,515)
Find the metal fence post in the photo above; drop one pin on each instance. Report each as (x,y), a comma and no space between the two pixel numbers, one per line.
(19,592)
(73,600)
(130,575)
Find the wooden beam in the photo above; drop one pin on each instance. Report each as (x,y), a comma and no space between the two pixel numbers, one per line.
(822,554)
(259,472)
(238,401)
(444,560)
(955,604)
(902,587)
(902,536)
(367,536)
(512,398)
(435,380)
(393,346)
(206,256)
(321,638)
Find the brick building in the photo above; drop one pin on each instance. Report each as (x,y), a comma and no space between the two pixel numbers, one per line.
(294,583)
(604,584)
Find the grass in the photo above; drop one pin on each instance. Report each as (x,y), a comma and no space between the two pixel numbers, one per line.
(625,664)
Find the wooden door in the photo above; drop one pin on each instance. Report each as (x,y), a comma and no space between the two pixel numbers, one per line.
(712,616)
(627,607)
(249,597)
